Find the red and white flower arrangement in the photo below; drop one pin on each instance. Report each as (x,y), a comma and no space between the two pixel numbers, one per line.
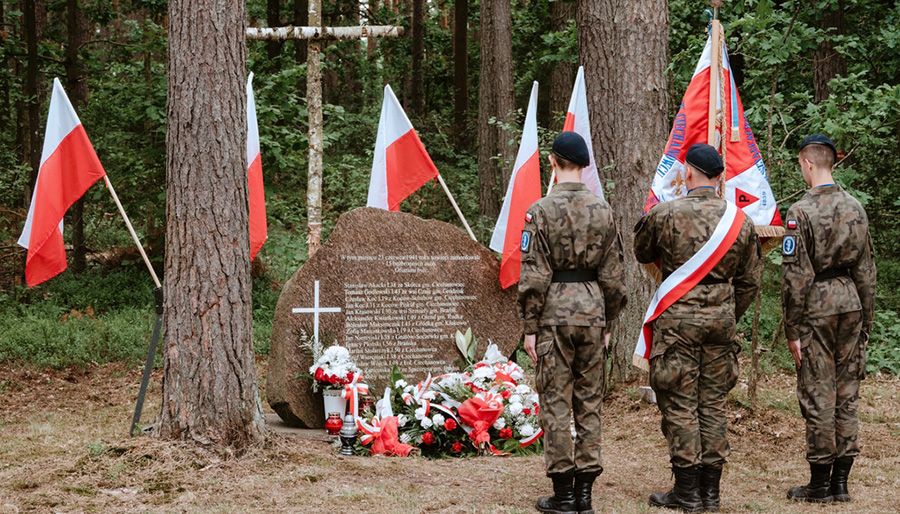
(334,369)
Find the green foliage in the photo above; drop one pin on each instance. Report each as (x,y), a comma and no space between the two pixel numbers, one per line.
(883,352)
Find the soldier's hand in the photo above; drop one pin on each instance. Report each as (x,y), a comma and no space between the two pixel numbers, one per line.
(606,340)
(530,340)
(794,347)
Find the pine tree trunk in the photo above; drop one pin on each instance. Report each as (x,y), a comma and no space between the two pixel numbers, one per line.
(562,77)
(460,69)
(77,90)
(495,100)
(209,391)
(623,48)
(273,19)
(417,25)
(827,62)
(301,19)
(32,140)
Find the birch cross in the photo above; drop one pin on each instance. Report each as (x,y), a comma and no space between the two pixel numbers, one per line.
(314,35)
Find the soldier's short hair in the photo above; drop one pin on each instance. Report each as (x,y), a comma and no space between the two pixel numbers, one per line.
(566,164)
(820,155)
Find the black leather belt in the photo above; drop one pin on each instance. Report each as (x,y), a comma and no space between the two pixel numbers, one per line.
(829,274)
(708,281)
(575,275)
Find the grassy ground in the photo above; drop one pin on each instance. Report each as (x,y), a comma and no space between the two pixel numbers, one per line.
(63,449)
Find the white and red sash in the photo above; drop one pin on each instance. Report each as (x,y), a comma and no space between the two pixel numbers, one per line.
(687,276)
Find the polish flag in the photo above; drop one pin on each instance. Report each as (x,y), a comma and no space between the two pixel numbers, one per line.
(578,121)
(256,192)
(69,166)
(401,165)
(524,189)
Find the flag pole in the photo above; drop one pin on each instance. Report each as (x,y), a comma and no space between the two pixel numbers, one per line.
(458,212)
(552,179)
(131,230)
(713,81)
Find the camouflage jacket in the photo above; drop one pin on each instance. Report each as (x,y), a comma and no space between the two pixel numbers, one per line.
(827,231)
(673,232)
(570,229)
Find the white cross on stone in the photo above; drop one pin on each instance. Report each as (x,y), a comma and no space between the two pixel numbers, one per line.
(315,310)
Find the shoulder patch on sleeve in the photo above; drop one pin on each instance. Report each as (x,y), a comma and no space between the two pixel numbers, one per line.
(526,241)
(528,217)
(789,245)
(792,224)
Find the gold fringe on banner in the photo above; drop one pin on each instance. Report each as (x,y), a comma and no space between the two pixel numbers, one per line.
(641,363)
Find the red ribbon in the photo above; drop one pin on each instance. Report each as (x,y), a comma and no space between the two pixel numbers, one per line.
(384,438)
(481,413)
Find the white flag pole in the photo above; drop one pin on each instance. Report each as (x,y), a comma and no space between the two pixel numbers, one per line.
(131,230)
(458,212)
(552,180)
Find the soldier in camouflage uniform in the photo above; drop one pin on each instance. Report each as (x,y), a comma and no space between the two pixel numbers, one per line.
(693,359)
(828,296)
(571,288)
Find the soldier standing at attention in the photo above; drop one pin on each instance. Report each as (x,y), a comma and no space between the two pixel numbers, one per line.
(693,358)
(571,287)
(828,295)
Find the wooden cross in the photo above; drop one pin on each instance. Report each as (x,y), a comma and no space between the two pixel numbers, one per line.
(314,35)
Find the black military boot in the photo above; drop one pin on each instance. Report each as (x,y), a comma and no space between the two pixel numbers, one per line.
(563,499)
(584,484)
(709,488)
(840,470)
(819,488)
(685,495)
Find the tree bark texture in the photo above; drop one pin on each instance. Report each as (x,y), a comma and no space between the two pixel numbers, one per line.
(273,19)
(32,138)
(209,388)
(495,100)
(417,27)
(623,48)
(460,68)
(827,62)
(562,76)
(301,19)
(316,144)
(77,89)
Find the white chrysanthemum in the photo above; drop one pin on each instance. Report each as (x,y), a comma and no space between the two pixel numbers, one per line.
(420,413)
(500,423)
(429,395)
(523,389)
(426,423)
(515,409)
(408,389)
(401,420)
(515,399)
(438,419)
(405,438)
(484,372)
(526,430)
(400,384)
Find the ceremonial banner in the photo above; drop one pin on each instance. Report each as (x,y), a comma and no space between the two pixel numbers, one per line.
(69,166)
(256,192)
(578,121)
(746,182)
(524,189)
(401,165)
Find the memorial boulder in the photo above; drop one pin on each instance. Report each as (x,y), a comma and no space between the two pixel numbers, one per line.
(393,289)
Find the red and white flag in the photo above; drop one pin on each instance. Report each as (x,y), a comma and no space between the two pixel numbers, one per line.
(401,165)
(746,182)
(255,190)
(69,166)
(524,189)
(687,276)
(578,121)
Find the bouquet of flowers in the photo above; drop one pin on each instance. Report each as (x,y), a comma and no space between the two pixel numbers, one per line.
(481,410)
(334,369)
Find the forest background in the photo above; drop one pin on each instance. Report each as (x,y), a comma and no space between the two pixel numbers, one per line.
(800,66)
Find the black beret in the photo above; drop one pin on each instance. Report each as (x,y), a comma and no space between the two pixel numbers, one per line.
(706,159)
(819,139)
(571,147)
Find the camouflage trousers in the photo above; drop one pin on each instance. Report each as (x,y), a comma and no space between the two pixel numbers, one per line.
(571,373)
(693,365)
(833,362)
